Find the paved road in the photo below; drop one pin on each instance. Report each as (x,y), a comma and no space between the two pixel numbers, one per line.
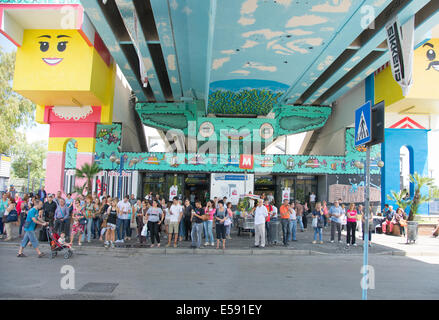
(182,276)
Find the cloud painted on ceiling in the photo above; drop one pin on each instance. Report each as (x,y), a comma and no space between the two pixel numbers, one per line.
(273,40)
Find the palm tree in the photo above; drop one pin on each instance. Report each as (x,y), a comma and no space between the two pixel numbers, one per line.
(399,198)
(87,172)
(418,199)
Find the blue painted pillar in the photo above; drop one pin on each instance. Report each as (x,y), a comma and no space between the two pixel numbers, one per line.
(370,89)
(416,141)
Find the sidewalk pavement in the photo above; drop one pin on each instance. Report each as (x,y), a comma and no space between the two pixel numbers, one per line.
(244,245)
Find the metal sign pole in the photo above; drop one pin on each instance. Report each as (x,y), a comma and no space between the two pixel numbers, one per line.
(119,185)
(245,182)
(366,224)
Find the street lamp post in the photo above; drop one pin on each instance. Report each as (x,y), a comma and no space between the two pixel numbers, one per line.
(28,174)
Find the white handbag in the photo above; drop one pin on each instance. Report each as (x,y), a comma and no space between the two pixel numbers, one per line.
(314,222)
(144,231)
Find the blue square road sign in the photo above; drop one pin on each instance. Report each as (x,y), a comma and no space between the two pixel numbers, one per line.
(363,120)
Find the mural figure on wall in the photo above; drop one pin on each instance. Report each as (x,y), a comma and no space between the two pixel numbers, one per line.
(350,188)
(108,135)
(71,154)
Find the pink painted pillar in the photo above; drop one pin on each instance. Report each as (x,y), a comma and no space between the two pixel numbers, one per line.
(54,171)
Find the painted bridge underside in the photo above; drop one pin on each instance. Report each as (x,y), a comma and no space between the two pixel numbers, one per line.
(246,56)
(283,60)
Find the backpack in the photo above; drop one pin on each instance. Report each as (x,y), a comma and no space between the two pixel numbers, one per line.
(12,216)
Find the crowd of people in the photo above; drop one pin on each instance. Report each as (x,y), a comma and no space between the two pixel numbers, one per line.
(112,220)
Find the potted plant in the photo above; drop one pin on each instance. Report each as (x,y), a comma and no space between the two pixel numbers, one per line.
(417,200)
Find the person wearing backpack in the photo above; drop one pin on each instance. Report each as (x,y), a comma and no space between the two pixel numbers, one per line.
(9,218)
(318,222)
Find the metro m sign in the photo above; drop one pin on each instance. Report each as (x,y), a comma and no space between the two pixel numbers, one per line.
(246,162)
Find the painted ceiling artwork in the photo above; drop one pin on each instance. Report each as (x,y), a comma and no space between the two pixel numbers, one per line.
(239,56)
(108,139)
(265,46)
(244,96)
(246,56)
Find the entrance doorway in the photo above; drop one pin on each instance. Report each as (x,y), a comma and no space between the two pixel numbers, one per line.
(265,184)
(197,187)
(300,187)
(153,182)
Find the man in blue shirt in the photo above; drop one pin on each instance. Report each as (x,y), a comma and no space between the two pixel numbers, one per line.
(335,213)
(29,228)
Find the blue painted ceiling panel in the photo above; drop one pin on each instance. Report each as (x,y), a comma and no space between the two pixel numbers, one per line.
(166,34)
(248,55)
(128,13)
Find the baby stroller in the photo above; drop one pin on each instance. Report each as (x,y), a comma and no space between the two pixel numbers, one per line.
(55,246)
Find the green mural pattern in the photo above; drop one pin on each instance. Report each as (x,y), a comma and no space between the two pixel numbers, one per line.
(287,119)
(245,101)
(288,164)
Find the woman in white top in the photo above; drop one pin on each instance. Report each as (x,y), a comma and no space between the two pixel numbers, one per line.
(343,218)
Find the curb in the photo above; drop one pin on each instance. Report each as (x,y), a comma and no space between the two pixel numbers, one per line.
(207,251)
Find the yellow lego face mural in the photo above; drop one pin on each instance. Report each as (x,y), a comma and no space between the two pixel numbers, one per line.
(50,43)
(58,67)
(432,54)
(57,59)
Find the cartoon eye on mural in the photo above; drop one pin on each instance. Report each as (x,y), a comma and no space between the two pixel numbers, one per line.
(431,56)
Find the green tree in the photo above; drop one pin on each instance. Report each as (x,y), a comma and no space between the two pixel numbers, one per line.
(87,172)
(15,110)
(399,198)
(418,198)
(22,152)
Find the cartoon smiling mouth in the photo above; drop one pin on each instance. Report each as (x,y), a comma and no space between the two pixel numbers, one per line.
(52,61)
(434,65)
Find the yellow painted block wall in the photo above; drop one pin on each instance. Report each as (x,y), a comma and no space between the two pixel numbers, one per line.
(425,82)
(59,144)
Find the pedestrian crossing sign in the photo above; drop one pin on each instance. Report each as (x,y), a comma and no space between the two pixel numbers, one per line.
(363,120)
